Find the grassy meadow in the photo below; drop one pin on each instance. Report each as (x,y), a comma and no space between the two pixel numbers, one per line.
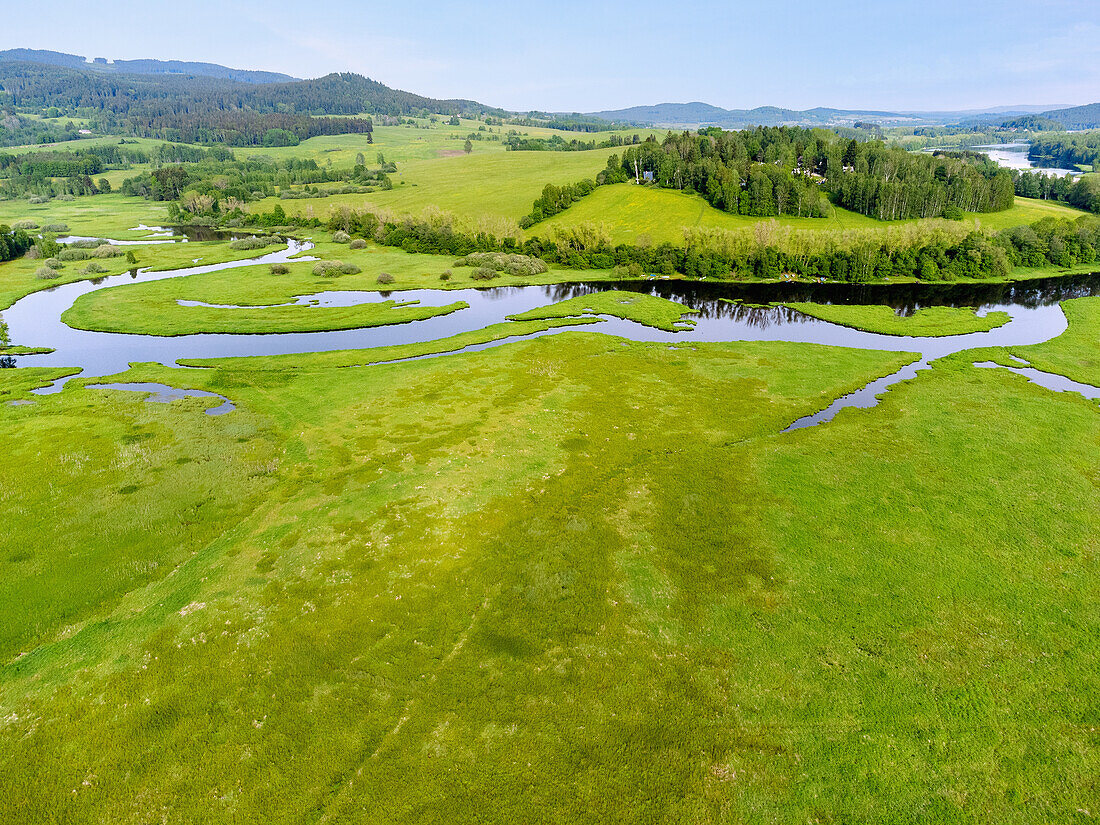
(927,321)
(445,589)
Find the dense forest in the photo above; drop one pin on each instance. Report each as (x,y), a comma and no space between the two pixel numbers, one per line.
(1067,151)
(199,109)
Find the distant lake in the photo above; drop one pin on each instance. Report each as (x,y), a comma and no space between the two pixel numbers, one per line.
(1014,156)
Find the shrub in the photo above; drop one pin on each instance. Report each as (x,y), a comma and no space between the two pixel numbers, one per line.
(631,270)
(279,269)
(107,251)
(66,197)
(328,269)
(340,236)
(253,242)
(87,244)
(483,273)
(513,264)
(56,227)
(385,278)
(54,263)
(445,275)
(358,243)
(71,254)
(349,269)
(24,225)
(45,273)
(37,199)
(93,268)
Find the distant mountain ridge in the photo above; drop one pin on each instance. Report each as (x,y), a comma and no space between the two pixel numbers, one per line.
(684,115)
(145,66)
(1076,117)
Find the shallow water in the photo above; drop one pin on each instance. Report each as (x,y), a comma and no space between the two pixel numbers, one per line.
(726,312)
(162,394)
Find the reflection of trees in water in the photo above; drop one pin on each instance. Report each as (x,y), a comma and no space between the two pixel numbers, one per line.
(752,298)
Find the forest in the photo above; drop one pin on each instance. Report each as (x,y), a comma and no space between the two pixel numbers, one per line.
(207,109)
(1067,151)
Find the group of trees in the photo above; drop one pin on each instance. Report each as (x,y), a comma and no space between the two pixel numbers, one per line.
(515,142)
(889,183)
(13,243)
(1082,192)
(226,184)
(777,171)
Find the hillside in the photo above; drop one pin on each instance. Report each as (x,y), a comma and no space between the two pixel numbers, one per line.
(1077,117)
(144,67)
(40,79)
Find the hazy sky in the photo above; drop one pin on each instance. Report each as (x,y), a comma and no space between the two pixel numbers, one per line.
(576,55)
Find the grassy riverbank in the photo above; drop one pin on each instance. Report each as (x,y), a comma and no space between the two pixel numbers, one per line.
(928,321)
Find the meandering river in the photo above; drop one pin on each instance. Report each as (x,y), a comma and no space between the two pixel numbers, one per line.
(726,312)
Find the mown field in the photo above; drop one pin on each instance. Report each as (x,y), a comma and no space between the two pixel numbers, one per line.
(444,590)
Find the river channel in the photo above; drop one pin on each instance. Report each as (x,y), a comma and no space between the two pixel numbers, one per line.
(725,312)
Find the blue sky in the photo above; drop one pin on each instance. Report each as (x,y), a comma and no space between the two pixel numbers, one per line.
(584,56)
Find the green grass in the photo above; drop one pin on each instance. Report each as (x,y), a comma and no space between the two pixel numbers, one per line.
(492,186)
(17,278)
(94,215)
(445,589)
(648,214)
(152,308)
(1076,352)
(929,321)
(650,310)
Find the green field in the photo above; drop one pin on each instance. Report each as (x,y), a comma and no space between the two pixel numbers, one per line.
(445,589)
(636,214)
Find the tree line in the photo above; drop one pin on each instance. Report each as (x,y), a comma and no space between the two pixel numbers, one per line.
(1081,192)
(925,255)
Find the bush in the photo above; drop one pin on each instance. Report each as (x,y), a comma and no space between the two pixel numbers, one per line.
(340,236)
(37,199)
(54,263)
(56,227)
(24,225)
(253,242)
(279,269)
(328,269)
(87,244)
(45,273)
(483,273)
(513,264)
(349,269)
(385,278)
(93,268)
(631,270)
(107,251)
(445,275)
(358,243)
(66,197)
(71,254)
